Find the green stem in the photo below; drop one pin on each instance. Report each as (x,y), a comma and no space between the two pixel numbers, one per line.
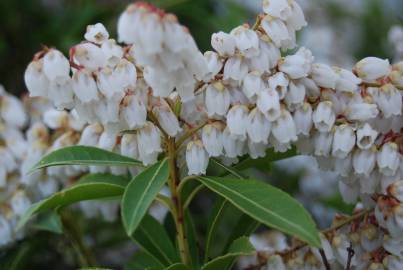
(178,212)
(85,257)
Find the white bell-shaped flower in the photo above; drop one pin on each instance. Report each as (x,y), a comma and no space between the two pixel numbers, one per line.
(366,136)
(298,65)
(258,127)
(388,159)
(89,56)
(252,84)
(129,146)
(214,64)
(167,119)
(277,8)
(284,129)
(55,64)
(113,52)
(237,120)
(84,86)
(61,92)
(125,75)
(324,76)
(256,150)
(303,119)
(276,29)
(279,83)
(372,68)
(234,146)
(324,117)
(134,111)
(55,119)
(296,20)
(96,33)
(346,81)
(235,68)
(246,40)
(196,158)
(343,141)
(323,143)
(35,79)
(217,99)
(212,139)
(223,43)
(90,135)
(295,95)
(364,161)
(268,102)
(361,111)
(389,100)
(149,143)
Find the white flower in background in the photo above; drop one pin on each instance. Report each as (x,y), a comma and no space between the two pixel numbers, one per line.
(372,68)
(196,158)
(96,33)
(276,29)
(280,8)
(323,143)
(89,56)
(214,64)
(389,100)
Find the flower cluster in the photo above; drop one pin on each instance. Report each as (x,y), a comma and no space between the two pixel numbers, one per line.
(242,98)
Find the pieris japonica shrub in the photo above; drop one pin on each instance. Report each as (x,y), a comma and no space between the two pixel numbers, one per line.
(148,121)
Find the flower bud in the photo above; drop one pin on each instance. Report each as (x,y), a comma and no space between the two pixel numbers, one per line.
(324,76)
(35,79)
(196,158)
(96,33)
(223,43)
(372,68)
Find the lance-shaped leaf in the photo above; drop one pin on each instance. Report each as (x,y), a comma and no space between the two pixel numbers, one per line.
(84,155)
(91,187)
(143,260)
(267,205)
(177,266)
(153,238)
(240,247)
(141,192)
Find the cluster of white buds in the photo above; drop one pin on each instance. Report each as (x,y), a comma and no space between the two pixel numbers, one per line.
(367,240)
(14,199)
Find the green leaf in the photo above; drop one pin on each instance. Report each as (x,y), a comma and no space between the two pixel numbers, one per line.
(50,222)
(244,227)
(84,155)
(240,247)
(153,238)
(90,188)
(177,266)
(143,260)
(140,193)
(267,205)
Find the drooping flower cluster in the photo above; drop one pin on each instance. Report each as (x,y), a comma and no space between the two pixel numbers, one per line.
(242,98)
